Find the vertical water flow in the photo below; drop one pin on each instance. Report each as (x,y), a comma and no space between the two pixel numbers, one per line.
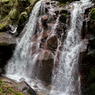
(20,64)
(67,80)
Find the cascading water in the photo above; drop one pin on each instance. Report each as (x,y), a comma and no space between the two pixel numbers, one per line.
(67,80)
(17,65)
(23,61)
(29,49)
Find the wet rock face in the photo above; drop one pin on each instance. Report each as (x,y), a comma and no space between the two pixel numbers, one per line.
(50,33)
(52,42)
(44,66)
(87,58)
(7,46)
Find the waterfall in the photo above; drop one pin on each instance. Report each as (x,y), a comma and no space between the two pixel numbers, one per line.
(20,64)
(67,80)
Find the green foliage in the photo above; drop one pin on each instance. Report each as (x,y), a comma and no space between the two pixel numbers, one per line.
(5,0)
(93,13)
(92,73)
(16,85)
(1,26)
(64,14)
(3,44)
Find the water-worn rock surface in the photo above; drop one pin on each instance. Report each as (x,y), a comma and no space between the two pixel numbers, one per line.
(7,46)
(87,58)
(15,88)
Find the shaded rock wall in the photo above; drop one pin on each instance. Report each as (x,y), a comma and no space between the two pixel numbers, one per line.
(7,46)
(87,58)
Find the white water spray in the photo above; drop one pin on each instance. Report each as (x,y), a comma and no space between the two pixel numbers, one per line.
(67,80)
(20,64)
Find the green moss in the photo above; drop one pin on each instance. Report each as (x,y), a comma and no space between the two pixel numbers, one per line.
(1,90)
(16,93)
(64,14)
(6,90)
(5,0)
(92,88)
(11,2)
(93,13)
(3,44)
(1,26)
(22,18)
(13,13)
(92,73)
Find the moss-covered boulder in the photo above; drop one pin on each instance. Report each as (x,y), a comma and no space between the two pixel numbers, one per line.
(7,88)
(4,1)
(1,26)
(22,18)
(5,7)
(93,13)
(11,87)
(13,14)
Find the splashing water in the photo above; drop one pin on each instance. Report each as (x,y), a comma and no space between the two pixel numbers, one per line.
(22,63)
(67,80)
(22,49)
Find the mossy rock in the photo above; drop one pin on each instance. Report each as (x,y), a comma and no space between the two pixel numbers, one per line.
(63,17)
(14,14)
(5,7)
(28,10)
(3,1)
(4,44)
(22,18)
(5,89)
(92,73)
(1,26)
(13,10)
(93,13)
(22,4)
(5,23)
